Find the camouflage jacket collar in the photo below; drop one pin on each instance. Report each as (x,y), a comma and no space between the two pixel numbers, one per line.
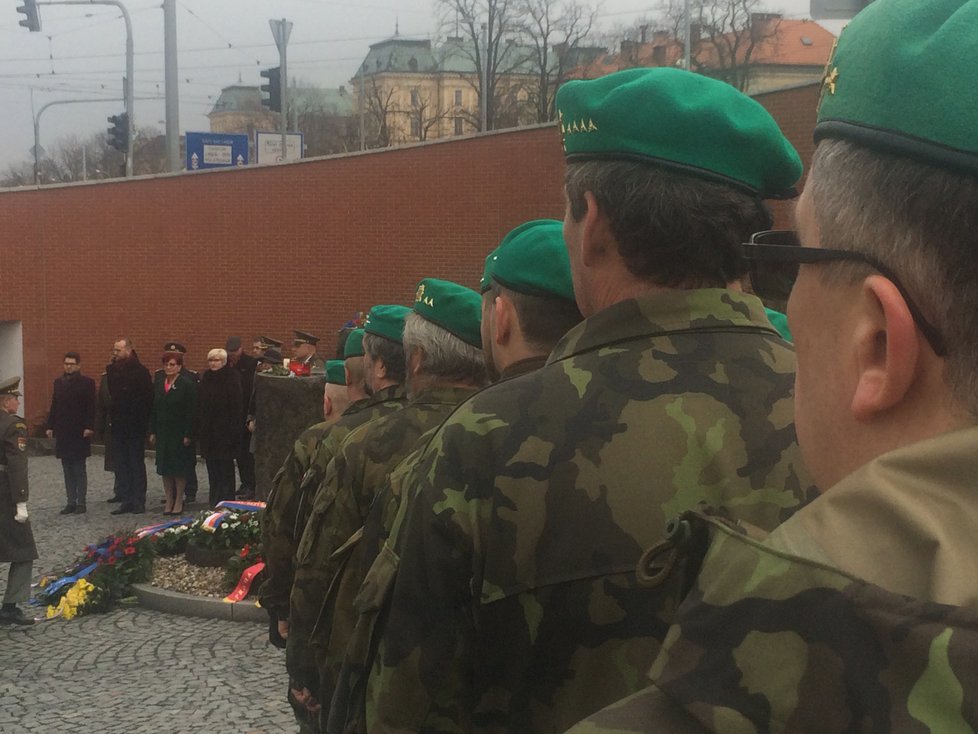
(394,392)
(663,313)
(442,395)
(523,366)
(766,641)
(905,521)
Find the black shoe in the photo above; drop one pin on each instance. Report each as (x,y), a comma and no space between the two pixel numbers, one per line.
(138,510)
(68,510)
(15,616)
(81,510)
(123,510)
(114,499)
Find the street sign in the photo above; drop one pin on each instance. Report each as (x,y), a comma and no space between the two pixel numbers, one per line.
(836,9)
(281,30)
(216,150)
(268,147)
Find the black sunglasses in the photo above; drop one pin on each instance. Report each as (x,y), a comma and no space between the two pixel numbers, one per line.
(774,257)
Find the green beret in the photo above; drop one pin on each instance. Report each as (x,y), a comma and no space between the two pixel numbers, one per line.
(681,121)
(902,80)
(386,321)
(532,259)
(354,344)
(336,372)
(453,307)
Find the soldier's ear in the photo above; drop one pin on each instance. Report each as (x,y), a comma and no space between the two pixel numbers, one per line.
(595,232)
(502,324)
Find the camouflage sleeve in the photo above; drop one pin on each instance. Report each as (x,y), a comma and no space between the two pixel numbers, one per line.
(278,524)
(421,676)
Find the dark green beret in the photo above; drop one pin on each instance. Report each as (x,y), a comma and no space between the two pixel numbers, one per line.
(387,321)
(532,259)
(682,121)
(336,372)
(451,306)
(902,79)
(354,344)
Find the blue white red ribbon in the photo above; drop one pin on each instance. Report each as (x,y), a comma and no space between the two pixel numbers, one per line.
(154,529)
(212,521)
(242,505)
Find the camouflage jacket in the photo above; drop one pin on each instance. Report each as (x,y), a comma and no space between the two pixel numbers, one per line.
(304,609)
(515,605)
(331,543)
(279,534)
(769,642)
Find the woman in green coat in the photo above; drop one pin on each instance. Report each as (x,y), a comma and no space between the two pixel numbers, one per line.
(171,430)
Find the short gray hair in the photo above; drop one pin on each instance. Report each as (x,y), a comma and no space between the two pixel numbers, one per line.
(218,353)
(922,222)
(444,356)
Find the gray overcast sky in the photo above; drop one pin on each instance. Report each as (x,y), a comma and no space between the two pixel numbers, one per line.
(80,53)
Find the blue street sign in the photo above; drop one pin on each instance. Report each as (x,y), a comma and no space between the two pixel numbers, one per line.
(216,150)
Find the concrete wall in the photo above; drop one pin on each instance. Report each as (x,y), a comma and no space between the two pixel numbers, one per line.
(196,257)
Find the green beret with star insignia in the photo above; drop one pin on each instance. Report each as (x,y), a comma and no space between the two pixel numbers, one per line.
(386,321)
(451,306)
(353,347)
(680,121)
(532,259)
(336,372)
(901,79)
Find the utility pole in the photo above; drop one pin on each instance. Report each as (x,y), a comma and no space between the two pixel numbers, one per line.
(485,78)
(688,22)
(171,85)
(281,30)
(363,132)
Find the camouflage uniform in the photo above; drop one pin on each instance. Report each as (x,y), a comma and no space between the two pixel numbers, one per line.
(331,543)
(770,640)
(515,605)
(303,603)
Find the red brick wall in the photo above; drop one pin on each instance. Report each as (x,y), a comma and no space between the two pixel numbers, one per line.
(196,257)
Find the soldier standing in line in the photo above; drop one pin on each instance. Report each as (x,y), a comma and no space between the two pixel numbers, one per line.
(516,604)
(304,351)
(374,364)
(860,613)
(527,306)
(16,538)
(445,365)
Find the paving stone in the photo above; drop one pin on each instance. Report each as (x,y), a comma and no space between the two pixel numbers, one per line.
(133,669)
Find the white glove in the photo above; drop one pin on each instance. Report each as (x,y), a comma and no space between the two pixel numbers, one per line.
(21,515)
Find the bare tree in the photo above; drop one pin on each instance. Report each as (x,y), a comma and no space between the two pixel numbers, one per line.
(726,33)
(497,54)
(378,108)
(424,115)
(555,32)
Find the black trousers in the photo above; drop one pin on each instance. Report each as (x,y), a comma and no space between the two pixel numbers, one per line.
(128,454)
(76,480)
(246,465)
(220,475)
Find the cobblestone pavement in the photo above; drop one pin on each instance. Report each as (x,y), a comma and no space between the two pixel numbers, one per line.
(132,670)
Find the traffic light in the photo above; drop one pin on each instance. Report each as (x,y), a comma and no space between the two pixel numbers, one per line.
(119,132)
(32,20)
(273,90)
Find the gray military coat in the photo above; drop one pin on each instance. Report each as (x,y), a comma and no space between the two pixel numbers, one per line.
(16,539)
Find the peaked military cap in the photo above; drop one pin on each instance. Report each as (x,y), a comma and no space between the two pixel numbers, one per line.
(176,347)
(336,372)
(304,337)
(10,386)
(353,347)
(681,121)
(451,306)
(272,356)
(386,321)
(532,259)
(902,79)
(267,342)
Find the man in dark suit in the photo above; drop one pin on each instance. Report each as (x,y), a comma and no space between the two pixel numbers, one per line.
(245,365)
(71,422)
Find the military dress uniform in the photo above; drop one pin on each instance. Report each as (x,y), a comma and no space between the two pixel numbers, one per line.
(16,537)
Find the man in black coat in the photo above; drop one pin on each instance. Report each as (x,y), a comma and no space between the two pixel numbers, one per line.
(245,365)
(71,422)
(131,390)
